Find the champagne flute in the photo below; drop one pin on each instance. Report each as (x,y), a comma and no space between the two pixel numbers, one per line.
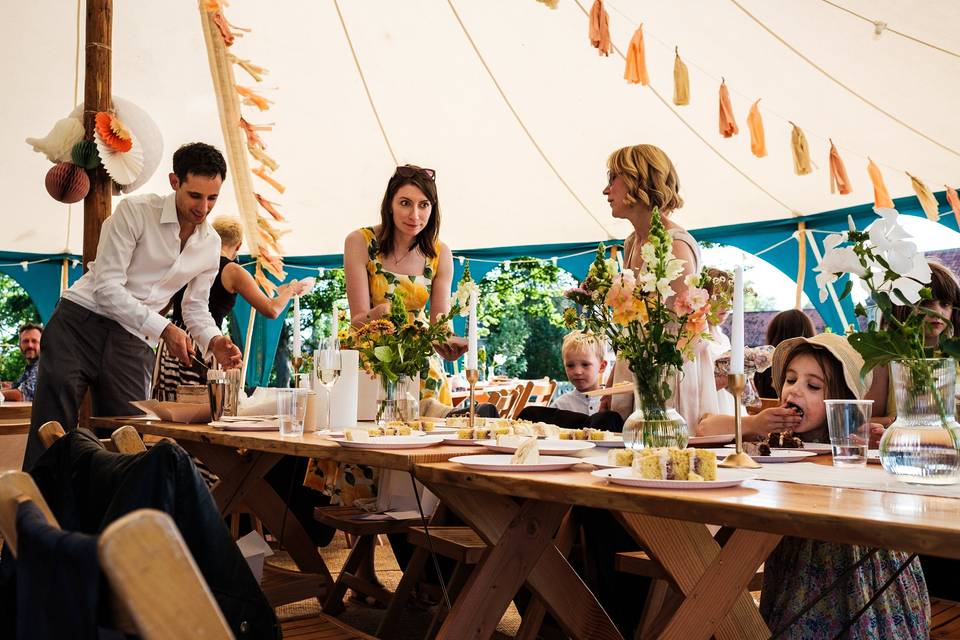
(327,368)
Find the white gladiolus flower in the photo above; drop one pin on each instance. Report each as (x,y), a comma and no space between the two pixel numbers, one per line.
(664,288)
(648,253)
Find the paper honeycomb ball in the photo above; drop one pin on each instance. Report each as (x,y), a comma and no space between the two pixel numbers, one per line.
(67,183)
(84,154)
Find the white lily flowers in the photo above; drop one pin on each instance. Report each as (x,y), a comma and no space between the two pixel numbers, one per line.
(887,244)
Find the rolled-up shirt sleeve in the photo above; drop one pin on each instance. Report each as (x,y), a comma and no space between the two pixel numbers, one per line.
(196,306)
(118,239)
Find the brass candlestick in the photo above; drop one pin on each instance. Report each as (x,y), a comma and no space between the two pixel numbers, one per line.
(739,460)
(297,362)
(472,376)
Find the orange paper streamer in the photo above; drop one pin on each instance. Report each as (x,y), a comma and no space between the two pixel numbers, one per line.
(253,138)
(253,99)
(758,142)
(636,72)
(262,173)
(728,126)
(256,72)
(881,197)
(801,152)
(954,202)
(839,182)
(600,28)
(681,80)
(270,207)
(926,198)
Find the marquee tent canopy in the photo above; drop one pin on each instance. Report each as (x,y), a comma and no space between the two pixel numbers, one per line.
(507,100)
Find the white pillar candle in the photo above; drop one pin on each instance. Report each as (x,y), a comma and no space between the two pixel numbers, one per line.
(297,343)
(334,322)
(736,337)
(472,332)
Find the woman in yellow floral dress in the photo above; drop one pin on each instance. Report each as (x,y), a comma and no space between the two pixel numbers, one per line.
(403,251)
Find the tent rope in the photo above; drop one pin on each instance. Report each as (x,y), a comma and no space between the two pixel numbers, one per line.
(767,110)
(881,26)
(666,103)
(76,90)
(839,83)
(363,79)
(523,126)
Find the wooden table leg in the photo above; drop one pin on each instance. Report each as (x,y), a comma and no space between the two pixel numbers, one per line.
(242,481)
(712,579)
(522,547)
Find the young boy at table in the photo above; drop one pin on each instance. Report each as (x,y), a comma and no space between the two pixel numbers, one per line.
(584,363)
(807,371)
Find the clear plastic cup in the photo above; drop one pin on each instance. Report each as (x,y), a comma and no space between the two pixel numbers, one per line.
(291,410)
(848,422)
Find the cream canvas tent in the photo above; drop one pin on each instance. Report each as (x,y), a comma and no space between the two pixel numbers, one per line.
(513,108)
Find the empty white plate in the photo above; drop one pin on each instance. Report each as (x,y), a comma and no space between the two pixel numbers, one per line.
(501,462)
(546,447)
(393,442)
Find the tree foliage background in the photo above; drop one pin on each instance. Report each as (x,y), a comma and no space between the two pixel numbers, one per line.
(521,313)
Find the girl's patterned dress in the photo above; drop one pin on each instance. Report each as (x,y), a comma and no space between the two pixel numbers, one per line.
(346,483)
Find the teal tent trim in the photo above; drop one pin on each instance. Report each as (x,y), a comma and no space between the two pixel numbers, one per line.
(41,277)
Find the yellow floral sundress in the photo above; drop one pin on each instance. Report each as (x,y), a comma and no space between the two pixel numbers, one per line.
(345,483)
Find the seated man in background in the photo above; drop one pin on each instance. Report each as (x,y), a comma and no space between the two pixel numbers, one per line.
(22,389)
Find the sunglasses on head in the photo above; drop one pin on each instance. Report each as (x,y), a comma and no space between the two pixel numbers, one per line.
(406,171)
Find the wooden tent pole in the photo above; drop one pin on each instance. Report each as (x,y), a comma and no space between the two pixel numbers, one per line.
(96,97)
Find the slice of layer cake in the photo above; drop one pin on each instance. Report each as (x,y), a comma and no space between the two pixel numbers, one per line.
(526,453)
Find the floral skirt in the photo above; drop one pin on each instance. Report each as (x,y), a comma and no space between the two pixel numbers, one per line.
(798,569)
(353,485)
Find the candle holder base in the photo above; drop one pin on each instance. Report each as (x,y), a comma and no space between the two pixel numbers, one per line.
(739,461)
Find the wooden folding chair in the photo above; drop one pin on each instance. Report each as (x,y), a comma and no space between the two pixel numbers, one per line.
(534,393)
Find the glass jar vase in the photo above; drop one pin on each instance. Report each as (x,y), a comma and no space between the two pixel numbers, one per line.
(922,446)
(398,400)
(655,421)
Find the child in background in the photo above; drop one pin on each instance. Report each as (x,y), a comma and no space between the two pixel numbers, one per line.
(584,362)
(807,371)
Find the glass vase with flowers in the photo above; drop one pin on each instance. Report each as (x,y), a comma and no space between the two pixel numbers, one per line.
(648,325)
(922,446)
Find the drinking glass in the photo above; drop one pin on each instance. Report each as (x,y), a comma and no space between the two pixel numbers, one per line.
(848,422)
(327,367)
(291,410)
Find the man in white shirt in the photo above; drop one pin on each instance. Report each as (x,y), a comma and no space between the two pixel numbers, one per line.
(102,335)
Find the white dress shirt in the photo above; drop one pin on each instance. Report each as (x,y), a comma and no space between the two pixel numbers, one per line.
(577,401)
(140,266)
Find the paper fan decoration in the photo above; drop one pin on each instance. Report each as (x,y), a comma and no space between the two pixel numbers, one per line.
(67,183)
(84,154)
(113,133)
(123,167)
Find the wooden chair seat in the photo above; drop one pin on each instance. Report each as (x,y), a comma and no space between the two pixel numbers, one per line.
(461,544)
(351,520)
(944,619)
(321,627)
(639,563)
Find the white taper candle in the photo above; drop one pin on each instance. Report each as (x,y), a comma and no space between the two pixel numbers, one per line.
(736,334)
(297,343)
(472,332)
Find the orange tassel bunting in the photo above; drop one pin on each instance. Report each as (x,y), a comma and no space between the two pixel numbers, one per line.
(253,138)
(636,72)
(881,197)
(265,283)
(801,152)
(261,156)
(927,200)
(270,207)
(839,182)
(681,80)
(758,143)
(728,126)
(600,28)
(261,172)
(255,71)
(253,99)
(954,202)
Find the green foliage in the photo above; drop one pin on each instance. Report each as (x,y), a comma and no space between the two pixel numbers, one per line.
(315,308)
(521,312)
(16,308)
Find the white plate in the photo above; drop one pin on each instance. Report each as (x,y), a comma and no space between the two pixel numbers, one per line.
(393,442)
(501,462)
(463,442)
(625,476)
(616,443)
(776,455)
(259,425)
(699,441)
(600,462)
(818,447)
(442,431)
(873,456)
(546,447)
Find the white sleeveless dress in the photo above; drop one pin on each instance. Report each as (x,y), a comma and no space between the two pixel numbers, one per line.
(697,395)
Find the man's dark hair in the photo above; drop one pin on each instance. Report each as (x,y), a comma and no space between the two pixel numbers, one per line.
(30,326)
(200,159)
